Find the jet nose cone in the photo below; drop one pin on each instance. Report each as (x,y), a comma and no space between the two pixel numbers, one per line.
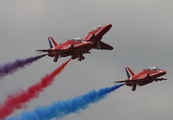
(109,25)
(163,72)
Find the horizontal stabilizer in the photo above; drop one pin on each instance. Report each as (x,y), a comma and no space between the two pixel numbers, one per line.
(47,50)
(39,52)
(120,81)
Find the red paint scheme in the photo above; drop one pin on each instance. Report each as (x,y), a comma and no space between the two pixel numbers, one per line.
(78,46)
(146,76)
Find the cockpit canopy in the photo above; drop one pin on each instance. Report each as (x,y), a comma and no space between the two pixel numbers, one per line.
(99,26)
(77,39)
(152,68)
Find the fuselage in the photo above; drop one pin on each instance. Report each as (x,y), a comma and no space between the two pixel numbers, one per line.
(76,46)
(70,47)
(146,76)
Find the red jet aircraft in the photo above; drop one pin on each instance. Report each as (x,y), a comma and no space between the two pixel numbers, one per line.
(78,46)
(144,77)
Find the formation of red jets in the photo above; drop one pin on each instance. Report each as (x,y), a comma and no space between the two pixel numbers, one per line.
(77,47)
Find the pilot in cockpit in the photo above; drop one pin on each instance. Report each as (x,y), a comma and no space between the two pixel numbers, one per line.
(97,27)
(77,39)
(152,68)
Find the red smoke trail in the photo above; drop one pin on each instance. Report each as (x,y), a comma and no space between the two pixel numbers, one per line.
(16,101)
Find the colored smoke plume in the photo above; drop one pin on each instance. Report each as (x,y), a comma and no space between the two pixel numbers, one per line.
(18,100)
(11,67)
(62,108)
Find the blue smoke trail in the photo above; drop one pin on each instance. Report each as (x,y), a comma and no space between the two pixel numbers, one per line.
(62,108)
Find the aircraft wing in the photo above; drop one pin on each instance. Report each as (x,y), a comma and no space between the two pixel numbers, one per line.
(47,50)
(128,81)
(103,46)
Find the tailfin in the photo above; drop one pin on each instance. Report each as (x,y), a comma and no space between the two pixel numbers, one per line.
(129,72)
(52,42)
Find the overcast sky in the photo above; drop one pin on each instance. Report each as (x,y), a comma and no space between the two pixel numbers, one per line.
(142,36)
